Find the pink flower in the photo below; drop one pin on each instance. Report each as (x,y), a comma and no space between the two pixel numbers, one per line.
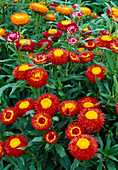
(12,36)
(77,14)
(72,29)
(72,40)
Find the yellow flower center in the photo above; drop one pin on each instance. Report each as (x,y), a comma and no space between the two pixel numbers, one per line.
(88,104)
(83,143)
(106,38)
(0,149)
(23,68)
(46,103)
(15,143)
(41,121)
(8,116)
(75,131)
(66,22)
(24,105)
(70,106)
(52,31)
(96,70)
(91,115)
(85,56)
(24,41)
(58,53)
(85,29)
(80,49)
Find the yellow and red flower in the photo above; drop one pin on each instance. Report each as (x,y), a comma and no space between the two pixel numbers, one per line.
(47,103)
(2,151)
(8,116)
(22,106)
(68,108)
(86,31)
(20,19)
(83,147)
(74,58)
(41,121)
(20,71)
(13,143)
(104,41)
(43,42)
(58,56)
(114,47)
(86,56)
(80,48)
(38,7)
(53,33)
(50,136)
(63,9)
(94,15)
(90,44)
(30,55)
(91,119)
(88,102)
(50,17)
(40,59)
(25,45)
(37,77)
(117,107)
(95,71)
(2,32)
(74,130)
(64,24)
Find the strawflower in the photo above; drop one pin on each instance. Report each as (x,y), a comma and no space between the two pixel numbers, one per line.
(77,14)
(38,7)
(50,136)
(40,59)
(53,33)
(50,17)
(2,151)
(64,10)
(20,19)
(72,40)
(74,58)
(104,41)
(43,42)
(86,56)
(64,24)
(12,36)
(2,32)
(72,29)
(25,45)
(86,11)
(90,44)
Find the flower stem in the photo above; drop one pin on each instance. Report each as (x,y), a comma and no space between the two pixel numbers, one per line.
(12,161)
(20,127)
(38,91)
(20,30)
(34,91)
(36,28)
(111,28)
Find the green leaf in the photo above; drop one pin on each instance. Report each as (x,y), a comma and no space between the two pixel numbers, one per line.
(75,164)
(110,165)
(113,158)
(32,167)
(99,167)
(99,139)
(65,162)
(60,150)
(113,149)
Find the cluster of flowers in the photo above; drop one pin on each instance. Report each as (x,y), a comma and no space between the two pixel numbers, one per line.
(90,118)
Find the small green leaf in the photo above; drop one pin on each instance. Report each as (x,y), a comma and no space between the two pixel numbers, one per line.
(60,150)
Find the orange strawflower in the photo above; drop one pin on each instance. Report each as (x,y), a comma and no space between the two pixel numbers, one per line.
(2,151)
(50,136)
(38,7)
(64,10)
(37,77)
(95,71)
(20,19)
(30,55)
(47,103)
(2,32)
(83,147)
(22,106)
(8,116)
(86,56)
(86,11)
(58,56)
(68,108)
(41,121)
(91,119)
(80,48)
(74,130)
(13,143)
(50,17)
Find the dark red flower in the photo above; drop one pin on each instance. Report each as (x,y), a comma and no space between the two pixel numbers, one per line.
(25,45)
(72,29)
(50,136)
(12,36)
(43,42)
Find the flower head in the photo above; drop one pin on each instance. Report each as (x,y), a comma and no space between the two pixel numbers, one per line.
(95,71)
(64,24)
(88,102)
(68,108)
(74,58)
(38,7)
(53,33)
(50,17)
(50,136)
(72,29)
(83,147)
(41,121)
(86,31)
(72,40)
(13,143)
(8,116)
(20,71)
(77,14)
(2,32)
(40,59)
(90,44)
(22,106)
(12,36)
(86,56)
(20,19)
(91,119)
(25,45)
(64,10)
(2,151)
(47,103)
(94,15)
(117,107)
(114,47)
(86,11)
(58,56)
(104,41)
(103,32)
(74,130)
(43,42)
(53,6)
(37,77)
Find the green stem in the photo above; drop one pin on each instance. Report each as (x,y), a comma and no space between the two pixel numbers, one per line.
(20,2)
(38,91)
(67,66)
(111,28)
(3,10)
(116,30)
(36,28)
(39,24)
(34,91)
(12,161)
(20,30)
(20,127)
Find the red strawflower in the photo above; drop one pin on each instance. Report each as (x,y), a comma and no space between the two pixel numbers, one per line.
(95,70)
(13,143)
(40,59)
(83,147)
(86,56)
(90,44)
(77,14)
(20,71)
(114,47)
(74,57)
(43,42)
(117,107)
(72,29)
(68,108)
(104,41)
(72,40)
(8,116)
(37,77)
(25,45)
(74,130)
(47,103)
(91,119)
(94,15)
(53,6)
(86,31)
(22,106)
(41,121)
(2,151)
(12,36)
(64,24)
(58,56)
(103,32)
(88,102)
(53,33)
(50,136)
